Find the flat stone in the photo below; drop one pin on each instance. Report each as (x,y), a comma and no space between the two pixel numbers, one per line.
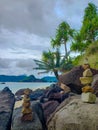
(87,73)
(87,88)
(27,117)
(88,97)
(86,80)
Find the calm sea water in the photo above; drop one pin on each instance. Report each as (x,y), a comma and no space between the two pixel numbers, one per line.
(14,86)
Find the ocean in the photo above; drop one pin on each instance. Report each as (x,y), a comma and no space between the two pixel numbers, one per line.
(14,86)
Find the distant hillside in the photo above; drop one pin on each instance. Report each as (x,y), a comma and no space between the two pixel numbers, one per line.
(49,79)
(31,78)
(7,78)
(24,78)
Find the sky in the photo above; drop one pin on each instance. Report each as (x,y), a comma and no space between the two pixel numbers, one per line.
(26,29)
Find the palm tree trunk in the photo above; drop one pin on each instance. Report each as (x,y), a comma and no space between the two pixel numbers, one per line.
(56,74)
(66,53)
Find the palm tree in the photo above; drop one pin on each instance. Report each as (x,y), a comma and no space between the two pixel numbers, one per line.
(52,62)
(63,35)
(49,62)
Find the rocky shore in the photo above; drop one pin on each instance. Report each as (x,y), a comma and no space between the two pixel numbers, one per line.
(58,107)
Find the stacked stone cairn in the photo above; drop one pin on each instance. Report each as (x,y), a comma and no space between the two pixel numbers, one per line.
(27,114)
(87,91)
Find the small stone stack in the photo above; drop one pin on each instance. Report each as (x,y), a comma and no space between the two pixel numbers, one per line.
(87,91)
(27,114)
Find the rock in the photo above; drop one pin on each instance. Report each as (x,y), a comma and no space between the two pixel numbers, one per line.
(17,124)
(94,71)
(49,107)
(6,108)
(21,92)
(76,115)
(86,80)
(27,114)
(87,88)
(55,93)
(87,73)
(37,94)
(88,97)
(6,89)
(38,122)
(95,84)
(58,96)
(72,78)
(65,88)
(38,109)
(54,88)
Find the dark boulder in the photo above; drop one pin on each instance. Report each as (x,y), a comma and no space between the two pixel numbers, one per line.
(37,94)
(21,92)
(6,108)
(58,96)
(72,78)
(49,107)
(54,88)
(50,92)
(38,122)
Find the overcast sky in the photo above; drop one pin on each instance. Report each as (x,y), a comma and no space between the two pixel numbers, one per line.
(26,28)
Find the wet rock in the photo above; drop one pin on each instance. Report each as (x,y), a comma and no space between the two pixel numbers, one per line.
(6,108)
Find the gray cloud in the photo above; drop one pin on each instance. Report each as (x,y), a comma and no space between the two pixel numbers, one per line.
(4,63)
(17,66)
(34,16)
(40,17)
(22,44)
(26,63)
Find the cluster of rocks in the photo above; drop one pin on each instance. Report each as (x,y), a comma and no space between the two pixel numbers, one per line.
(54,108)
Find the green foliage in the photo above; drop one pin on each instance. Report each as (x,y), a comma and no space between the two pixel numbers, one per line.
(92,49)
(89,30)
(66,65)
(77,44)
(76,60)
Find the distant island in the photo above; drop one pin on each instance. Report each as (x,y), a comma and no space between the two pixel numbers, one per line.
(25,78)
